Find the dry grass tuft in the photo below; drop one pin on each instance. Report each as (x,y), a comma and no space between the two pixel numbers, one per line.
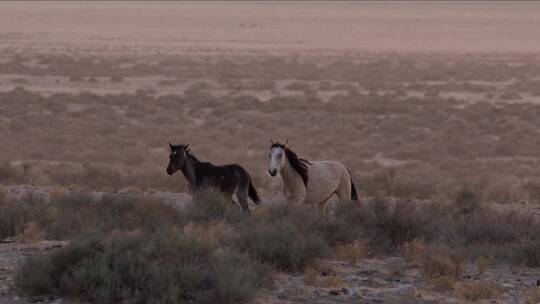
(32,232)
(477,290)
(314,277)
(442,262)
(332,282)
(414,250)
(444,283)
(483,263)
(533,295)
(353,252)
(311,276)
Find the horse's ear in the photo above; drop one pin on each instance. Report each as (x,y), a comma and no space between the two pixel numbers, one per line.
(272,141)
(186,147)
(286,143)
(170,145)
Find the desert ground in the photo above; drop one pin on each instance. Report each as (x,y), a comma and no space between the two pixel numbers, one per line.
(433,107)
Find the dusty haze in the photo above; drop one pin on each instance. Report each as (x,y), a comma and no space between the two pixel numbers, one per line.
(375,26)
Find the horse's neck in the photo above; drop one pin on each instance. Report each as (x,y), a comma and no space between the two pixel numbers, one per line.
(190,169)
(292,181)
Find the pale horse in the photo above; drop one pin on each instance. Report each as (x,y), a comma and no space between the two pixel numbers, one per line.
(310,182)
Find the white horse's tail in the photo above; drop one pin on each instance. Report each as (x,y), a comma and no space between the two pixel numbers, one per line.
(354,194)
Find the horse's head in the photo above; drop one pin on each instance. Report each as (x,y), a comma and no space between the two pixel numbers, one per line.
(277,157)
(177,158)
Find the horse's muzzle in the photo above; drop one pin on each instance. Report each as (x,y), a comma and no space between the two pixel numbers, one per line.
(272,172)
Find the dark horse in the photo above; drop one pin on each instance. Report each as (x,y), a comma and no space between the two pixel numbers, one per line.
(228,179)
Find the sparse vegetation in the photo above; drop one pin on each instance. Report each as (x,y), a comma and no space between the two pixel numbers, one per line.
(409,145)
(430,141)
(281,244)
(278,236)
(162,267)
(68,215)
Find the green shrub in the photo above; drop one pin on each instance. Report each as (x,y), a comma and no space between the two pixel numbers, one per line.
(137,267)
(34,276)
(79,212)
(238,275)
(70,214)
(387,224)
(213,205)
(44,274)
(281,244)
(15,214)
(526,253)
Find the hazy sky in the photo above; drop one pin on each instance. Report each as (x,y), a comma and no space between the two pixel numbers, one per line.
(389,26)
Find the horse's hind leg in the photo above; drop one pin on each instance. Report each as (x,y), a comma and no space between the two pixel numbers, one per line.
(242,195)
(344,190)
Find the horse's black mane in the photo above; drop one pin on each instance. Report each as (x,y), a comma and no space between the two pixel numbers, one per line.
(192,157)
(188,152)
(298,164)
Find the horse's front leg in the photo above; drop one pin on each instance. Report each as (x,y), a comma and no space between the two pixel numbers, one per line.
(299,196)
(295,199)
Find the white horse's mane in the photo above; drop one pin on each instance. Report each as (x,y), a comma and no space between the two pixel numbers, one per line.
(300,165)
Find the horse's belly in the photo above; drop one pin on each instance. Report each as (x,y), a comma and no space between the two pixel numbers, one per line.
(323,183)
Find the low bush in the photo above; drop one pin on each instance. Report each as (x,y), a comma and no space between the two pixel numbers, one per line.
(281,244)
(213,205)
(67,215)
(16,214)
(523,253)
(137,267)
(82,212)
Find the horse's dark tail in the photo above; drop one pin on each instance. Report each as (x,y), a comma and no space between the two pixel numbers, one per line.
(253,193)
(354,194)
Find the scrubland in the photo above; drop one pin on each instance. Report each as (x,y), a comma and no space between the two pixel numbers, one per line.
(442,148)
(210,251)
(405,125)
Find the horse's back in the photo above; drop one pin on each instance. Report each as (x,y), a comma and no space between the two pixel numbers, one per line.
(326,169)
(235,169)
(227,178)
